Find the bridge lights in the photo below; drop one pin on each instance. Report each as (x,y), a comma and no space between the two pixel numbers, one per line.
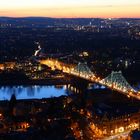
(121,129)
(124,90)
(128,96)
(110,85)
(98,78)
(92,78)
(72,69)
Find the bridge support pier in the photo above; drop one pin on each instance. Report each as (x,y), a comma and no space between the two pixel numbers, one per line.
(81,86)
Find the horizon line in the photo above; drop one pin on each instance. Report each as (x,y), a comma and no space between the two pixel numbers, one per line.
(69,17)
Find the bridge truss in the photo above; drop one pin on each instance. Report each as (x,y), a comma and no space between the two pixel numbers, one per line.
(83,70)
(117,81)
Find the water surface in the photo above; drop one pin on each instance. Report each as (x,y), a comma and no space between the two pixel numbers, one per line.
(31,92)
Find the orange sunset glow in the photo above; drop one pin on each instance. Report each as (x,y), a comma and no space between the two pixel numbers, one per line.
(70,8)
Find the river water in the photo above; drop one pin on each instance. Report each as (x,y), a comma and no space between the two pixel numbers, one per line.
(31,92)
(38,92)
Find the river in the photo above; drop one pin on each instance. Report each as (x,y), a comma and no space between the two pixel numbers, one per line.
(31,92)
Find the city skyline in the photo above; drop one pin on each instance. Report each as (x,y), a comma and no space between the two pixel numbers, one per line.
(71,9)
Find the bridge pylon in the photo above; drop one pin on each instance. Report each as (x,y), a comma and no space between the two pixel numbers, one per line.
(83,70)
(117,81)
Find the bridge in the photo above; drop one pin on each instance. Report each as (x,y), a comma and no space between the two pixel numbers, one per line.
(114,81)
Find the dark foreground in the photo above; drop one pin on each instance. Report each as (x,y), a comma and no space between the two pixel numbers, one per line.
(67,117)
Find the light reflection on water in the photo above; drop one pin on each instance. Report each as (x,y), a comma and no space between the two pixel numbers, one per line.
(31,92)
(39,92)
